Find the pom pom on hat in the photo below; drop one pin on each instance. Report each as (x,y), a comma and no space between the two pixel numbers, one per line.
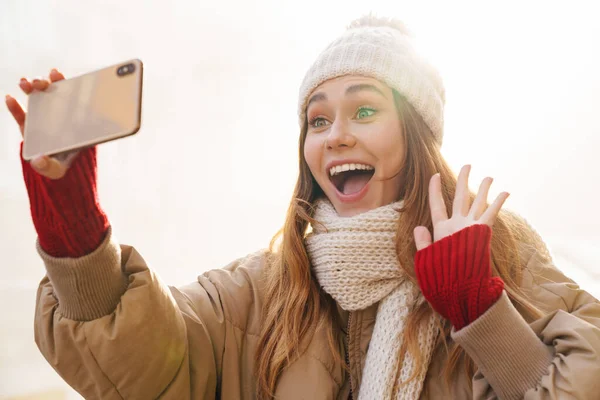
(371,20)
(381,48)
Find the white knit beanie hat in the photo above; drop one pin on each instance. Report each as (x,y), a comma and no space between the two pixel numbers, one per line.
(381,49)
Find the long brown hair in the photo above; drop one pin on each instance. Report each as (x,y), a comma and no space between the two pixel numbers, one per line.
(295,305)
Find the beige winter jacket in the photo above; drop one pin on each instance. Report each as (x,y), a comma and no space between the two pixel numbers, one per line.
(113,330)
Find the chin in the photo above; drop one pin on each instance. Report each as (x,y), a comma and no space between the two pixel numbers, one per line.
(345,209)
(351,212)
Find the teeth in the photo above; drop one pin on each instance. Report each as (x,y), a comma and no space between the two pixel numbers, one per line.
(348,167)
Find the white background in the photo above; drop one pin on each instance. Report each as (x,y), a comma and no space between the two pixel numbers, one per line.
(209,176)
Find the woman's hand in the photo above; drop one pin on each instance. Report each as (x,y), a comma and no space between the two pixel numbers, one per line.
(50,167)
(62,191)
(464,214)
(455,273)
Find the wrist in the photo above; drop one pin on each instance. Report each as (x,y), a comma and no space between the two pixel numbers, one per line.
(455,276)
(65,212)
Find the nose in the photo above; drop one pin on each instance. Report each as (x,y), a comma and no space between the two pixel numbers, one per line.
(339,136)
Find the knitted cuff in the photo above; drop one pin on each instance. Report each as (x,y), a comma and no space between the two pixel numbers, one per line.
(506,350)
(87,287)
(455,275)
(65,212)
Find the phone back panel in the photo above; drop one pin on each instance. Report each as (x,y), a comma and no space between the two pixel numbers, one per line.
(86,110)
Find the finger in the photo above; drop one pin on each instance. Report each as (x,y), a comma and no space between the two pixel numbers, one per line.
(422,237)
(489,216)
(49,167)
(436,200)
(40,84)
(480,202)
(56,76)
(17,111)
(25,86)
(461,203)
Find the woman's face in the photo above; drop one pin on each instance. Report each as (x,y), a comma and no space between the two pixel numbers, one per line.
(354,144)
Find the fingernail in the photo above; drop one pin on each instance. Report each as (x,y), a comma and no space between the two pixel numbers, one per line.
(7,97)
(23,80)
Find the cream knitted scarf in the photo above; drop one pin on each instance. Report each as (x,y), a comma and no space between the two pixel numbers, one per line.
(355,261)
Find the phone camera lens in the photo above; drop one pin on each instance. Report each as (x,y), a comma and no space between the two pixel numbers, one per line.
(125,69)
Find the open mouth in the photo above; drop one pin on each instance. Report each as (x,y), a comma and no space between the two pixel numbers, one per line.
(351,178)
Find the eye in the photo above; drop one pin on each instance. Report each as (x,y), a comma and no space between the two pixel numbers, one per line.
(318,122)
(365,112)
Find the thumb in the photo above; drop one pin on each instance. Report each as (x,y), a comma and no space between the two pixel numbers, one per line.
(49,167)
(422,237)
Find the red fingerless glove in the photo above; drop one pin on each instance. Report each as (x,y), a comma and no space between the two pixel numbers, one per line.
(65,212)
(455,275)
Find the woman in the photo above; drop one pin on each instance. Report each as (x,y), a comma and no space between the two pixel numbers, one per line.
(355,298)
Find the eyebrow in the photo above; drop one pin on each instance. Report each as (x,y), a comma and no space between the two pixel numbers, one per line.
(349,90)
(316,97)
(364,86)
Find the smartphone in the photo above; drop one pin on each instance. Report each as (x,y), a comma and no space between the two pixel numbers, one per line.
(83,111)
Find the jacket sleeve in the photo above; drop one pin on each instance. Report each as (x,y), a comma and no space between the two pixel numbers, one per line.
(113,330)
(555,357)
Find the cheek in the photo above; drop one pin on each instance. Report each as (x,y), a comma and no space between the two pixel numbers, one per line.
(395,155)
(313,154)
(391,150)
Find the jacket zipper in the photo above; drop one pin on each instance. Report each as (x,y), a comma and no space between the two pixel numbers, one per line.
(348,353)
